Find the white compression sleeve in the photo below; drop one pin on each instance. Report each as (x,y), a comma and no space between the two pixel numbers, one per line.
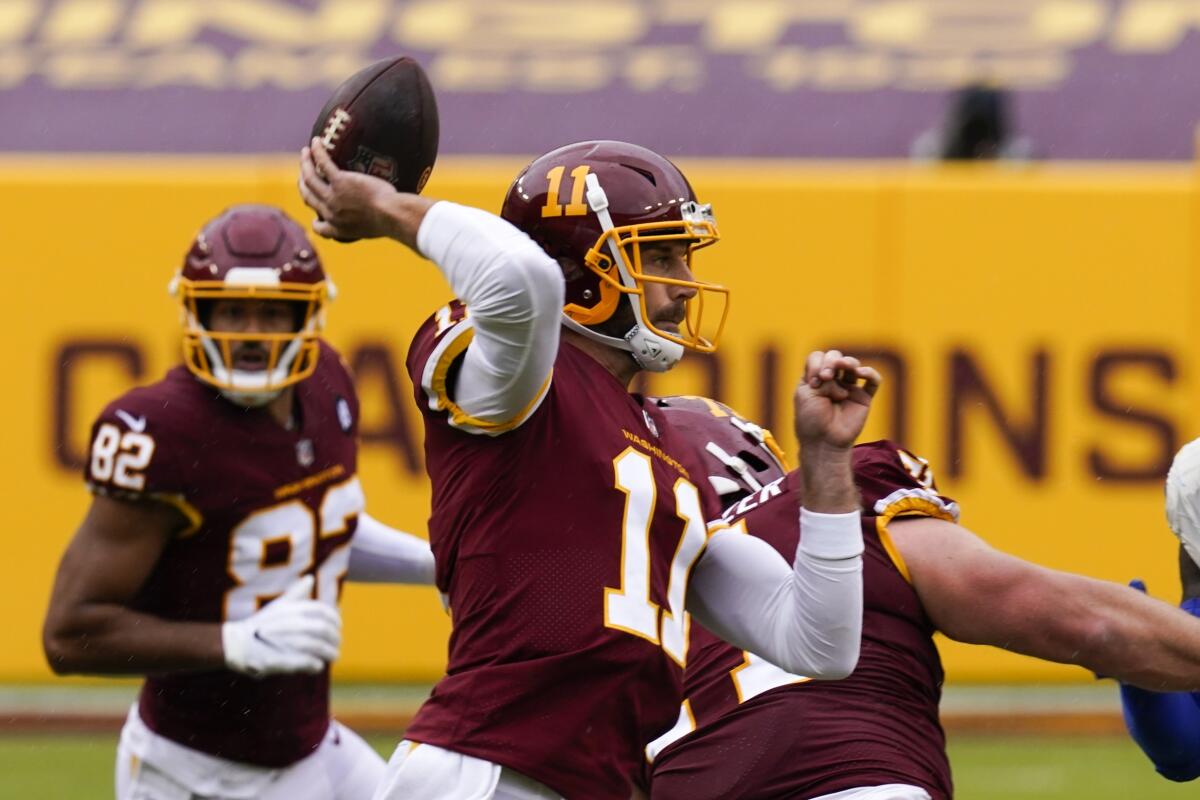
(806,619)
(514,296)
(379,554)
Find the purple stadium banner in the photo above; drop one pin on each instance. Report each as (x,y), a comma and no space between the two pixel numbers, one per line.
(807,78)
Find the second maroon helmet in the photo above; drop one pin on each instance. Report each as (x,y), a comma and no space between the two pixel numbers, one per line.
(590,205)
(251,252)
(741,457)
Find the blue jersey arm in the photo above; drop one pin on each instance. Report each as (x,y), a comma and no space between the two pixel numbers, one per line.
(1166,725)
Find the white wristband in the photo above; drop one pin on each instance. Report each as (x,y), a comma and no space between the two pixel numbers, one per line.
(832,537)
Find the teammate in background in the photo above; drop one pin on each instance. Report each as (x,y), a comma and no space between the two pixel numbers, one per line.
(567,519)
(226,513)
(1167,725)
(751,730)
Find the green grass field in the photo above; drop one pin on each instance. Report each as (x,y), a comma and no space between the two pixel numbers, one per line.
(54,767)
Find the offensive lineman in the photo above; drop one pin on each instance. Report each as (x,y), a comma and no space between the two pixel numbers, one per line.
(567,519)
(226,513)
(876,735)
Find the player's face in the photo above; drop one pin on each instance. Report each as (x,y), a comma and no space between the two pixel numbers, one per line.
(667,304)
(248,317)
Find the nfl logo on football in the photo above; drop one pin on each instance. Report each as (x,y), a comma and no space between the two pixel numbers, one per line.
(372,163)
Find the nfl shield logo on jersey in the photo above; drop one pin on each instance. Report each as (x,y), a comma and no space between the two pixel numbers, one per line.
(304,452)
(345,420)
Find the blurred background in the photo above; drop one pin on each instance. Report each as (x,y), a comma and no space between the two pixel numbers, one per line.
(995,201)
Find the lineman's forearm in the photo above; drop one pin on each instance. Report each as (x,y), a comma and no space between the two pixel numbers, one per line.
(1137,639)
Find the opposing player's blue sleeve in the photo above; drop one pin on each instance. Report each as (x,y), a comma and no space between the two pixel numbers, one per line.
(1166,725)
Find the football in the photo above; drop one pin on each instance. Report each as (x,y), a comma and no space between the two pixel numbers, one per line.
(383,121)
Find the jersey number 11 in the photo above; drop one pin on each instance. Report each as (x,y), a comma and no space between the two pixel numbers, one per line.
(630,608)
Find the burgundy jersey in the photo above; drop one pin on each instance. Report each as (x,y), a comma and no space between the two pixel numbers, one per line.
(266,505)
(564,540)
(764,733)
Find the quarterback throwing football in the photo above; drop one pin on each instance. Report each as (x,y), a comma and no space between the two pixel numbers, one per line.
(568,518)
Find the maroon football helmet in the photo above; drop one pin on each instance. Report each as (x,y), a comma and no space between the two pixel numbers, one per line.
(252,252)
(589,205)
(741,457)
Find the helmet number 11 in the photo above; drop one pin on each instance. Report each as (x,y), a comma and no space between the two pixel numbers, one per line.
(575,208)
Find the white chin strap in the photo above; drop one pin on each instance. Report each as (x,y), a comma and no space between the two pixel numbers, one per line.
(248,397)
(652,352)
(249,388)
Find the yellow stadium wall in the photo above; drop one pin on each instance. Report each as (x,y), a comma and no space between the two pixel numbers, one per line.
(1037,327)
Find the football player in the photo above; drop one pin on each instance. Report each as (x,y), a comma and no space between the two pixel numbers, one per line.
(226,513)
(1166,725)
(568,518)
(750,729)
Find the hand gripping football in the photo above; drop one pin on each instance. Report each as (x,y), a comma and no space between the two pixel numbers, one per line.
(383,121)
(1183,498)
